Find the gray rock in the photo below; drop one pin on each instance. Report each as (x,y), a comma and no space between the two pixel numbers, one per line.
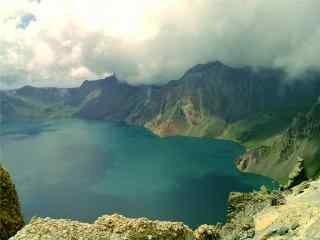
(283,230)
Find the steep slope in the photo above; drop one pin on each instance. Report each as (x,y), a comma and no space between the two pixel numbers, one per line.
(33,103)
(203,102)
(10,215)
(12,107)
(206,101)
(111,99)
(296,149)
(297,218)
(210,97)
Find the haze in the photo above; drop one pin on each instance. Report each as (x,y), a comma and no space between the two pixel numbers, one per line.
(63,42)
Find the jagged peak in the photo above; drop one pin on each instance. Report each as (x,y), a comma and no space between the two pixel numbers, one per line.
(112,76)
(27,88)
(109,78)
(215,65)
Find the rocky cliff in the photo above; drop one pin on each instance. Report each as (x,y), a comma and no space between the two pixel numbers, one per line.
(105,228)
(206,99)
(10,214)
(297,218)
(291,157)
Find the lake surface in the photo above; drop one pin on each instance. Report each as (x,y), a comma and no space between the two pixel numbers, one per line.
(84,169)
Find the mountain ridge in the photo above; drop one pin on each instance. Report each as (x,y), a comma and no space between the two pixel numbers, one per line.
(298,144)
(241,104)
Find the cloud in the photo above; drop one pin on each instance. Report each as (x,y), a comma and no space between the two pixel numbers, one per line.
(25,20)
(82,73)
(63,42)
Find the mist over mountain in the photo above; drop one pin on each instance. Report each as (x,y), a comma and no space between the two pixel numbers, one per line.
(205,93)
(152,42)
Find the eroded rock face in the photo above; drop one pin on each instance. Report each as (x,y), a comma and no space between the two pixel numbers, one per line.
(241,211)
(291,157)
(10,214)
(292,214)
(298,218)
(105,228)
(206,232)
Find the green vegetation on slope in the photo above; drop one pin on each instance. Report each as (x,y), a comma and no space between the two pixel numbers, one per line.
(10,214)
(301,140)
(263,127)
(184,118)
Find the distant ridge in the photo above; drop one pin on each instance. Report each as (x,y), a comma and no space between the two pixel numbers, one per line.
(213,100)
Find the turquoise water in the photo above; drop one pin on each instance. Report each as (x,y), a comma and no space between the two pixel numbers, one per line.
(84,169)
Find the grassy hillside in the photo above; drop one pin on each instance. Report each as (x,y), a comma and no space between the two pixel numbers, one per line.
(261,128)
(278,156)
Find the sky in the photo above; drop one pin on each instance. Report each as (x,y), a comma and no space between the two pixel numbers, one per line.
(63,42)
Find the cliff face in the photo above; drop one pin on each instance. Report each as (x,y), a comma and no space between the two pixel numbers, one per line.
(297,218)
(287,215)
(204,99)
(293,155)
(210,96)
(10,214)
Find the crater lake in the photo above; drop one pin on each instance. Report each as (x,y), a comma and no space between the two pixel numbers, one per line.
(84,169)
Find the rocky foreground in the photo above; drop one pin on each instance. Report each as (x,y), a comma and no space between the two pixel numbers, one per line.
(297,218)
(107,227)
(263,215)
(10,215)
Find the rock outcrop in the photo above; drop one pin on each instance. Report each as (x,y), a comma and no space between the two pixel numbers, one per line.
(10,214)
(292,156)
(298,218)
(292,214)
(297,175)
(242,210)
(113,227)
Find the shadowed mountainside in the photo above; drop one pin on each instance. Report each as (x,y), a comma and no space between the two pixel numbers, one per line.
(202,102)
(296,150)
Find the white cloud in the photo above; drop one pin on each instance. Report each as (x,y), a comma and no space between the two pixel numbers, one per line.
(82,73)
(152,41)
